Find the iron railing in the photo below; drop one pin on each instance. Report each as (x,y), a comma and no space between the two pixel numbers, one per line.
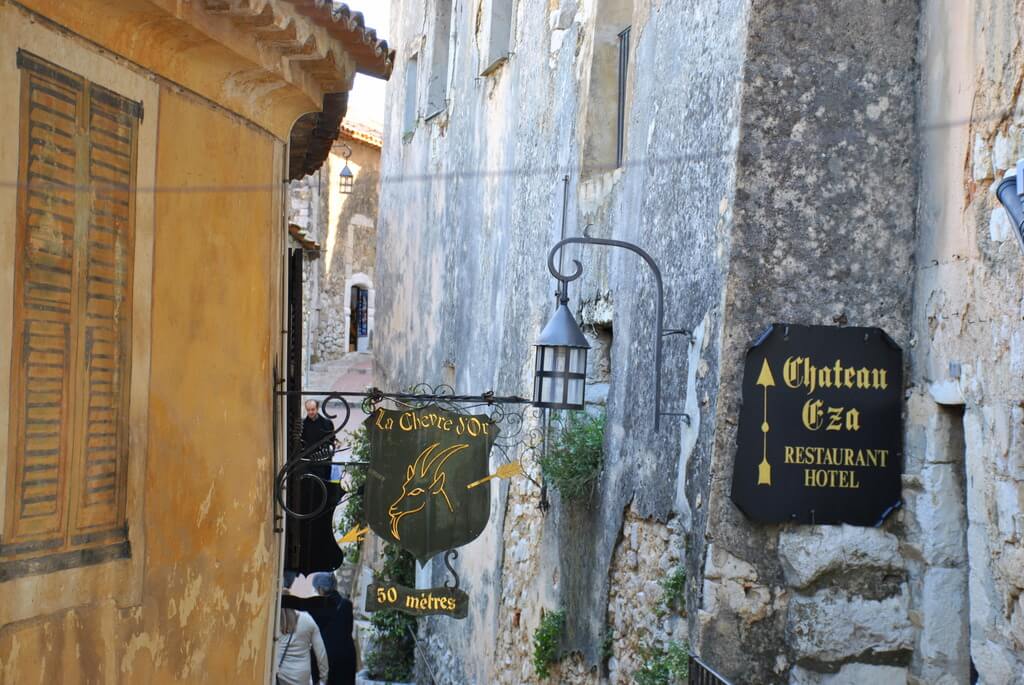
(702,674)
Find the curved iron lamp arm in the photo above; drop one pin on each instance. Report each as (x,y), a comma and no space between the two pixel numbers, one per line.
(563,294)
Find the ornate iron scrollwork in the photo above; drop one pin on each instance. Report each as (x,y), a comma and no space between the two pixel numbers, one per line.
(521,436)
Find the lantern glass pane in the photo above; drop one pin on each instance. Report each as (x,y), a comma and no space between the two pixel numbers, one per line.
(578,360)
(576,387)
(550,390)
(561,359)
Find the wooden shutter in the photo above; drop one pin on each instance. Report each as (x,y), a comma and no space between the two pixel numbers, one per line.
(71,362)
(101,443)
(44,307)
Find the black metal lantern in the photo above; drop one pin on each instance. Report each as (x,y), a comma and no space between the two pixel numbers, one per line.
(560,375)
(347,178)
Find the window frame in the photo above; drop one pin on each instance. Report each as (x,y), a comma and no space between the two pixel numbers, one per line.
(436,101)
(497,47)
(75,542)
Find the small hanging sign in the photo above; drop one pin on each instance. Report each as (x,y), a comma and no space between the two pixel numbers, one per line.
(428,487)
(821,426)
(444,601)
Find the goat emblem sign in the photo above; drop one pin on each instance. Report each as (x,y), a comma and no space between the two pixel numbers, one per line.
(427,488)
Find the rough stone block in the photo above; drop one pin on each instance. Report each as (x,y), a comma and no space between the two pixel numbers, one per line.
(832,626)
(851,674)
(996,665)
(731,585)
(809,553)
(943,605)
(1008,508)
(941,515)
(999,226)
(1002,154)
(982,160)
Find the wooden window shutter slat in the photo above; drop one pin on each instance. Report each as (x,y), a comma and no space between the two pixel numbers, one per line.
(44,299)
(105,317)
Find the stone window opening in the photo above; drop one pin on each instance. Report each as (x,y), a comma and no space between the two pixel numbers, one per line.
(609,88)
(409,114)
(942,510)
(497,34)
(69,395)
(440,44)
(599,362)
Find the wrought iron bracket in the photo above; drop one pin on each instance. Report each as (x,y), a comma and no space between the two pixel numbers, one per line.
(298,466)
(662,332)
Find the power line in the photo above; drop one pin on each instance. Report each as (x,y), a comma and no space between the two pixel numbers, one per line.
(836,137)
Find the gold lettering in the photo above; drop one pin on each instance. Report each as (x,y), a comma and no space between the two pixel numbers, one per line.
(788,455)
(812,414)
(853,420)
(848,375)
(835,418)
(863,379)
(791,372)
(878,379)
(825,377)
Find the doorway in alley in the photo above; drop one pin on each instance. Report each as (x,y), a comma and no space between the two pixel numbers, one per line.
(358,332)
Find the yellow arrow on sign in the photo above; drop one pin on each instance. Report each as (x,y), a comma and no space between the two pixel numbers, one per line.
(765,380)
(355,535)
(513,468)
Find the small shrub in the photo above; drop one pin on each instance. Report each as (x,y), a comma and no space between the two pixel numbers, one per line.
(546,640)
(575,456)
(391,652)
(668,665)
(674,591)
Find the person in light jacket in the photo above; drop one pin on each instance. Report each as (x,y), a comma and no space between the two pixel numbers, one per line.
(298,632)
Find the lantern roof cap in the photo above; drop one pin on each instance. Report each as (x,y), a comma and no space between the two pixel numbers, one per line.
(562,331)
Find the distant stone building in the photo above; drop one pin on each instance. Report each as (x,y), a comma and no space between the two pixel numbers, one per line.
(823,163)
(340,230)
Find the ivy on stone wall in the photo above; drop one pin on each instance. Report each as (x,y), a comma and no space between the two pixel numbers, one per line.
(669,665)
(546,641)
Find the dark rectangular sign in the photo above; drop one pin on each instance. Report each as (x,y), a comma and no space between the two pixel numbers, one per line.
(439,600)
(821,427)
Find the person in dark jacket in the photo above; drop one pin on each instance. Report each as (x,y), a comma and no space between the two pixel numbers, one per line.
(316,535)
(316,427)
(335,622)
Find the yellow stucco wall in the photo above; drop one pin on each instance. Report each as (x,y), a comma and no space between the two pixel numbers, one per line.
(195,602)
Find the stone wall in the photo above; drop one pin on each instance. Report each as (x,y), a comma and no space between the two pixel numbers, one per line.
(966,503)
(466,239)
(787,162)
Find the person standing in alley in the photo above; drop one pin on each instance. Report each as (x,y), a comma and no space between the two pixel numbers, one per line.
(297,635)
(316,428)
(335,622)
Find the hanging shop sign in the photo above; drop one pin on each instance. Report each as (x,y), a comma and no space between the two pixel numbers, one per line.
(427,486)
(820,429)
(444,601)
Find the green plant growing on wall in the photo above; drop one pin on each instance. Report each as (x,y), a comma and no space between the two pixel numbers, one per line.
(546,640)
(669,665)
(575,456)
(391,652)
(354,513)
(673,596)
